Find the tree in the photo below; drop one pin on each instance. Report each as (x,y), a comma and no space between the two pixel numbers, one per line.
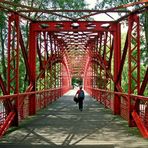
(105,4)
(40,4)
(144,20)
(3,34)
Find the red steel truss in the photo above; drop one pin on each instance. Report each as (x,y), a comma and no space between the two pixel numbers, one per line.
(60,50)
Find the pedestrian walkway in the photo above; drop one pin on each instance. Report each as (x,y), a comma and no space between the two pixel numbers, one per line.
(61,124)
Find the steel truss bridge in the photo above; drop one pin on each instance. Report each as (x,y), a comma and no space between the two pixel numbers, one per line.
(57,51)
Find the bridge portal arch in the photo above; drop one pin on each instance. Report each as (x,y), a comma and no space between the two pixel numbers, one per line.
(89,49)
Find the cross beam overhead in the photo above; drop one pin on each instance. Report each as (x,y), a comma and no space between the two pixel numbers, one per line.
(60,46)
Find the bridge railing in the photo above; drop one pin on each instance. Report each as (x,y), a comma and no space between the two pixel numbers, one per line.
(20,110)
(128,106)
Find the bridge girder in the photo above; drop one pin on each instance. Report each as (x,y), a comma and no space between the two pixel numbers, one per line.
(59,50)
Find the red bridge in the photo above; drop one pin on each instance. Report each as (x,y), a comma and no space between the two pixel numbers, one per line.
(57,52)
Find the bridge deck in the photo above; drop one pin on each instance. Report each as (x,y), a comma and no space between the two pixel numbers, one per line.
(61,124)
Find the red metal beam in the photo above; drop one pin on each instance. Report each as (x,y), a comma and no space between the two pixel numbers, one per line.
(58,26)
(27,7)
(7,103)
(105,44)
(3,87)
(111,55)
(7,123)
(68,11)
(54,12)
(117,61)
(140,124)
(144,83)
(133,62)
(24,53)
(32,65)
(13,11)
(39,54)
(142,89)
(13,64)
(13,54)
(137,11)
(116,8)
(123,59)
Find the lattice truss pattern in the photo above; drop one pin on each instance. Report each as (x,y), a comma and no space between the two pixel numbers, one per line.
(80,47)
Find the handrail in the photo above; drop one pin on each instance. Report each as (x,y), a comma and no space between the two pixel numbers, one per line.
(26,93)
(140,116)
(121,93)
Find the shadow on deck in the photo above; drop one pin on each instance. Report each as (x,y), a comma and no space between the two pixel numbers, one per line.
(61,124)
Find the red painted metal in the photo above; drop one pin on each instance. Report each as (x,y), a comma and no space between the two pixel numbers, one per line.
(13,54)
(43,56)
(133,62)
(8,9)
(3,87)
(123,58)
(13,62)
(32,65)
(117,61)
(60,50)
(56,26)
(24,53)
(7,123)
(140,125)
(118,74)
(144,83)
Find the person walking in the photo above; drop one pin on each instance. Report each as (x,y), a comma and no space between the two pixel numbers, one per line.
(81,97)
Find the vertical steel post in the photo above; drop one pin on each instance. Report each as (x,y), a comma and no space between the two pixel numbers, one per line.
(133,63)
(13,61)
(117,59)
(44,65)
(32,64)
(13,54)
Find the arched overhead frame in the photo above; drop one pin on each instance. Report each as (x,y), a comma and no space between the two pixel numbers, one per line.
(73,47)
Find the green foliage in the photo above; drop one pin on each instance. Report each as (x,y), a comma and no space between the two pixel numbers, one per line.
(77,81)
(112,3)
(41,4)
(2,20)
(69,4)
(105,4)
(143,18)
(142,74)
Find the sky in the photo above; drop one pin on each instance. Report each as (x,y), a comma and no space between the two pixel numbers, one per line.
(103,17)
(91,3)
(100,17)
